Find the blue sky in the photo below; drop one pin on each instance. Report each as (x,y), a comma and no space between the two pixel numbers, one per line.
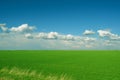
(62,16)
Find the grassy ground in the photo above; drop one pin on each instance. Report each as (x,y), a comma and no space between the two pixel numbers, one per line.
(75,65)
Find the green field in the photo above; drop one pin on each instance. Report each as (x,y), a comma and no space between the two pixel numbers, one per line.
(59,65)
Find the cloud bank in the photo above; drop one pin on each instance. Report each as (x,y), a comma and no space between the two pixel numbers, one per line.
(25,37)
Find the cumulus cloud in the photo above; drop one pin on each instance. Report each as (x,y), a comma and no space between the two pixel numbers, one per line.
(3,27)
(24,28)
(29,36)
(106,33)
(88,32)
(42,35)
(89,39)
(68,37)
(103,33)
(55,36)
(50,35)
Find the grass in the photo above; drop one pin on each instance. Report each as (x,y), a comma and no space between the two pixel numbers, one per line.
(60,65)
(20,74)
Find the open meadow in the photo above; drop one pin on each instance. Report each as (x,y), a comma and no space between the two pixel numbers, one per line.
(59,65)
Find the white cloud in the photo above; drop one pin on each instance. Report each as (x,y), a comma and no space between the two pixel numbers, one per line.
(105,33)
(24,28)
(42,35)
(89,39)
(68,37)
(29,36)
(52,35)
(3,27)
(88,32)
